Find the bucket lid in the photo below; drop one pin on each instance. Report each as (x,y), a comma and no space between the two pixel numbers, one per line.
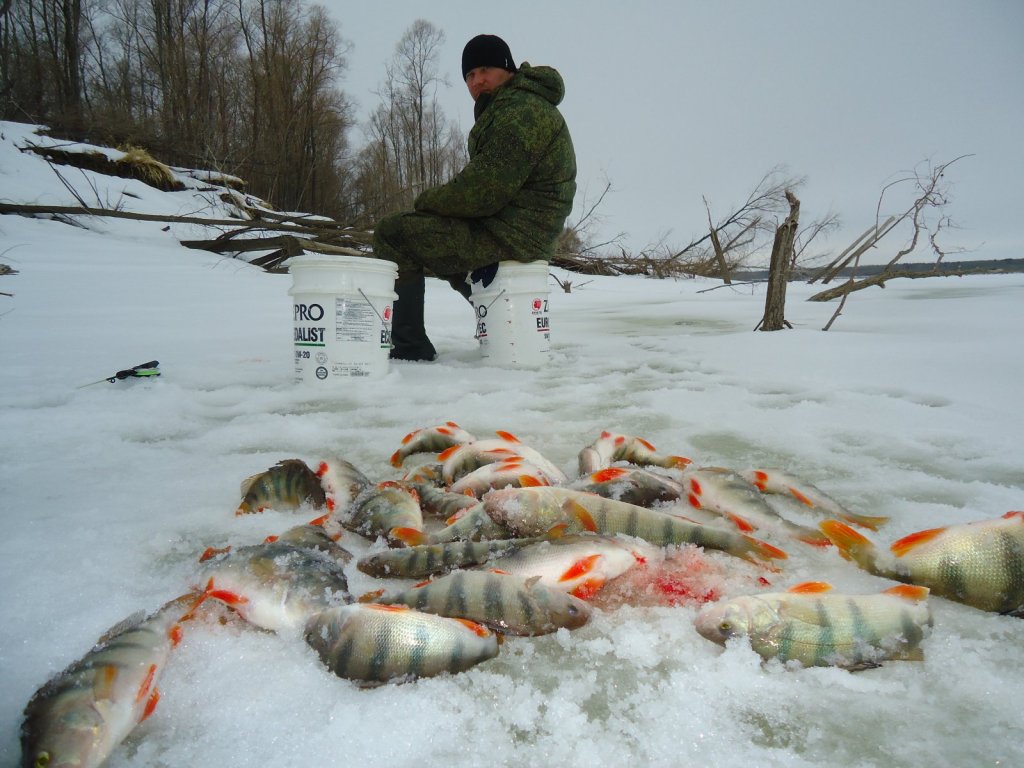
(370,263)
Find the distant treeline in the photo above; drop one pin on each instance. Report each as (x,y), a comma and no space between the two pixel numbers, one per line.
(250,88)
(942,268)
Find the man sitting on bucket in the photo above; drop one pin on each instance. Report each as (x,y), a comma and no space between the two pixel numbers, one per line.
(510,202)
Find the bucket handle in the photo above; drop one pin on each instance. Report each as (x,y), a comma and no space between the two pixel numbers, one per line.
(367,300)
(500,294)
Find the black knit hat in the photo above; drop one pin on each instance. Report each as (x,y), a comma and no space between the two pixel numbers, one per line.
(486,51)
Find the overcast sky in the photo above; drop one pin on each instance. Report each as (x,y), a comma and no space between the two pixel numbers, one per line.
(672,101)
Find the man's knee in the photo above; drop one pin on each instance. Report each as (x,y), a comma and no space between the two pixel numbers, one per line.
(388,230)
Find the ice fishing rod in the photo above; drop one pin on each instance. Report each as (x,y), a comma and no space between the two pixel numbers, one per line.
(140,371)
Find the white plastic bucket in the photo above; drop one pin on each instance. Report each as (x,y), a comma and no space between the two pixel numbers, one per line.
(513,326)
(341,310)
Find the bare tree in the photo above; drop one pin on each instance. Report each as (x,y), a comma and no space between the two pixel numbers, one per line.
(297,118)
(725,246)
(41,64)
(410,143)
(743,230)
(414,70)
(926,219)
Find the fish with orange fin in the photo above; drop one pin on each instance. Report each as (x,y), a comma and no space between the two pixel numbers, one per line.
(289,484)
(537,511)
(430,440)
(515,471)
(727,493)
(631,485)
(275,585)
(438,502)
(388,509)
(341,482)
(980,564)
(313,535)
(611,447)
(506,603)
(428,473)
(460,460)
(580,564)
(84,712)
(778,481)
(469,524)
(374,644)
(812,625)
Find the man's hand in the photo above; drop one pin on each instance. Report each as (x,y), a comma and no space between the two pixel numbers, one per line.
(484,275)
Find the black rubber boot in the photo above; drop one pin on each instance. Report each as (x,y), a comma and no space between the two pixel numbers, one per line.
(408,337)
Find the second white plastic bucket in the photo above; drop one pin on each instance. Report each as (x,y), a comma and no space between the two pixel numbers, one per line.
(513,325)
(341,312)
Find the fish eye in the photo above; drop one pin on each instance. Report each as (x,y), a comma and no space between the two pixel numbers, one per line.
(725,627)
(42,760)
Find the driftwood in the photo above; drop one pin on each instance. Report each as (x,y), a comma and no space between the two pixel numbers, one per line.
(933,196)
(853,252)
(298,233)
(880,279)
(279,222)
(284,247)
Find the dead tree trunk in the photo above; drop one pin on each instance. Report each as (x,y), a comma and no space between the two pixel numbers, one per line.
(778,271)
(723,266)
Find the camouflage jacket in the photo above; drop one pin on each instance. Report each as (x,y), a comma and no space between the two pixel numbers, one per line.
(521,176)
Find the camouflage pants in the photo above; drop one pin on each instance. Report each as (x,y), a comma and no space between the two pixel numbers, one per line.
(441,245)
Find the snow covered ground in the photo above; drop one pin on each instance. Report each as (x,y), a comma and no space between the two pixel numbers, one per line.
(908,407)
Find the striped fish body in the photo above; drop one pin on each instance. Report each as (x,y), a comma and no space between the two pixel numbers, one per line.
(430,440)
(980,564)
(824,629)
(374,644)
(579,564)
(514,472)
(342,482)
(431,559)
(778,481)
(289,484)
(276,585)
(461,460)
(611,447)
(633,486)
(509,604)
(471,524)
(441,503)
(547,469)
(730,495)
(535,511)
(83,713)
(390,510)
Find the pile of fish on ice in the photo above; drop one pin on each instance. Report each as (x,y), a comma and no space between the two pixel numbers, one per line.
(521,551)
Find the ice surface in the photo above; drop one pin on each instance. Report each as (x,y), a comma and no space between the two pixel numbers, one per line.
(908,407)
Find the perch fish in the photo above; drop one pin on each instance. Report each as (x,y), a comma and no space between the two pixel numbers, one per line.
(816,627)
(980,564)
(82,714)
(289,484)
(374,644)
